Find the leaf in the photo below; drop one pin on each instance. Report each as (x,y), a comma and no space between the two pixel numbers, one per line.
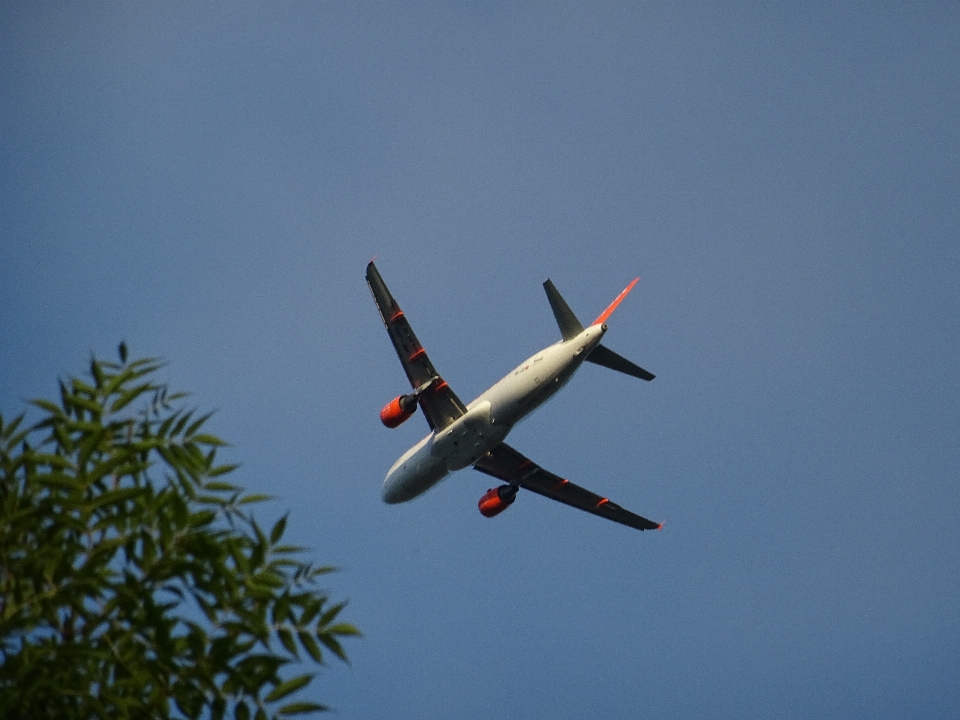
(255,498)
(11,427)
(202,518)
(344,629)
(96,371)
(222,470)
(287,549)
(331,614)
(332,645)
(281,609)
(196,424)
(220,487)
(310,645)
(81,402)
(102,469)
(88,446)
(50,407)
(58,479)
(65,397)
(206,439)
(286,637)
(79,386)
(278,529)
(311,606)
(290,686)
(129,396)
(164,429)
(114,497)
(326,569)
(300,708)
(180,423)
(218,708)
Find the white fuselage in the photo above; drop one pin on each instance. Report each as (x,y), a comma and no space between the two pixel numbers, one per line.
(489,418)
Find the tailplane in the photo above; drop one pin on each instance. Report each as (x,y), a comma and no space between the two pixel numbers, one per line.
(608,358)
(570,327)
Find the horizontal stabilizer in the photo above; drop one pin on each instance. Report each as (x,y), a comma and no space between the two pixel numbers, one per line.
(608,358)
(570,327)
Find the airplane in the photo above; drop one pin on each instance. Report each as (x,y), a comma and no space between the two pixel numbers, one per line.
(463,435)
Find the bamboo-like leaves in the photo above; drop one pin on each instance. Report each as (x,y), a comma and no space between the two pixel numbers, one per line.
(114,522)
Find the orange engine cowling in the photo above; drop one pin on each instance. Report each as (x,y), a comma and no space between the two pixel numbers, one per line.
(398,410)
(496,500)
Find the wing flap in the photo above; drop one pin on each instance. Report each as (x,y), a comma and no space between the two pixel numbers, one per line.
(439,403)
(510,466)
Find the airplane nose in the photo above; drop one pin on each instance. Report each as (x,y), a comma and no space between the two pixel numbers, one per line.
(390,495)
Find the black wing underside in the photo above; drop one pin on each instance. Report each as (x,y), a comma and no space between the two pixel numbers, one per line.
(439,403)
(508,465)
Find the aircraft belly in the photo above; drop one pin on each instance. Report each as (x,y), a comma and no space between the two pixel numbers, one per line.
(469,438)
(530,385)
(414,473)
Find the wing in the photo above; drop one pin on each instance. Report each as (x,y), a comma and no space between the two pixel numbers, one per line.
(439,403)
(505,463)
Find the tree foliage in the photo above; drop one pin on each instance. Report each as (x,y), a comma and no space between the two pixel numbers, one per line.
(134,582)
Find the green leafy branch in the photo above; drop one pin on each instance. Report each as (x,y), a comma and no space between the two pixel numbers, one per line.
(133,579)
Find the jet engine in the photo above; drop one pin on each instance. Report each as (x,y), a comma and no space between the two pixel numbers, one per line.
(398,410)
(497,499)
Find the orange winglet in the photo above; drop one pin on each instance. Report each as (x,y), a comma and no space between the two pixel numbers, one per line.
(602,502)
(397,315)
(613,306)
(661,524)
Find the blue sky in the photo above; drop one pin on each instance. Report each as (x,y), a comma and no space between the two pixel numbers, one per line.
(208,181)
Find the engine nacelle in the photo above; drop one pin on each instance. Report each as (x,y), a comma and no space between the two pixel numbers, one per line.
(398,411)
(496,500)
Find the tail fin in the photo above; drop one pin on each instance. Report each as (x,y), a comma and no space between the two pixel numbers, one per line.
(570,327)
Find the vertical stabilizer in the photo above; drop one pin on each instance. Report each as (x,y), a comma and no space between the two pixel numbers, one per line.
(570,327)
